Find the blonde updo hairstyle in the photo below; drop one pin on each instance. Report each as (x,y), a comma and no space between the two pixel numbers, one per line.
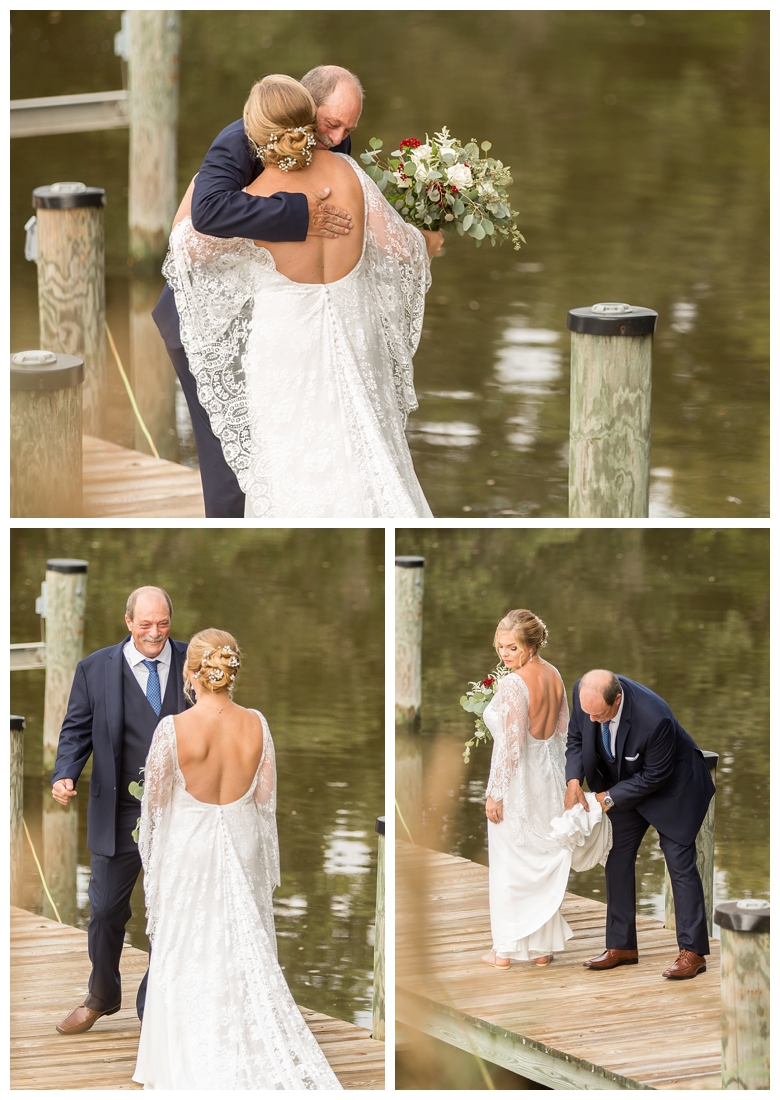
(214,658)
(280,122)
(527,629)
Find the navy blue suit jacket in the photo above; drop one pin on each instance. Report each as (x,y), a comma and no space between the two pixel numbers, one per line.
(221,208)
(661,772)
(94,724)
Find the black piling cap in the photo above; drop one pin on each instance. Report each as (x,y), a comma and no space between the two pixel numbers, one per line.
(410,562)
(67,565)
(380,826)
(748,915)
(17,722)
(612,319)
(45,370)
(67,196)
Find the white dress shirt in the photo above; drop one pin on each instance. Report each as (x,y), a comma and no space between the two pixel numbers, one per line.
(614,723)
(141,672)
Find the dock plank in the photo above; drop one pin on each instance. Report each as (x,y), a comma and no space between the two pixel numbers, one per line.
(49,970)
(562,1025)
(121,482)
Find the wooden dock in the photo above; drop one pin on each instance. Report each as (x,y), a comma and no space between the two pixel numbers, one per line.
(563,1026)
(49,971)
(121,482)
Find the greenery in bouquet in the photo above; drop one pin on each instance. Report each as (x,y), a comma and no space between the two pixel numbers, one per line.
(442,184)
(137,791)
(475,701)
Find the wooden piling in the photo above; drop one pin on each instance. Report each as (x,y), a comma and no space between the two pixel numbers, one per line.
(409,574)
(46,434)
(744,952)
(705,857)
(611,381)
(71,285)
(17,807)
(154,111)
(66,591)
(378,1027)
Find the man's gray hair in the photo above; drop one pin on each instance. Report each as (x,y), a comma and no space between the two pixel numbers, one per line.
(603,682)
(132,599)
(321,82)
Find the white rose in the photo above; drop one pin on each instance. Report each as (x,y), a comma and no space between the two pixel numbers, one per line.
(401,179)
(422,172)
(459,175)
(422,152)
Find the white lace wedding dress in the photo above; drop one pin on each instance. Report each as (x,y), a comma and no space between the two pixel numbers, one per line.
(528,869)
(219,1014)
(308,385)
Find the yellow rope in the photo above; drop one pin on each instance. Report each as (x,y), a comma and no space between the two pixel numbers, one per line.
(398,811)
(130,394)
(40,872)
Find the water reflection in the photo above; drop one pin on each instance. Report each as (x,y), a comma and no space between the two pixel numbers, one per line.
(640,158)
(307,608)
(684,612)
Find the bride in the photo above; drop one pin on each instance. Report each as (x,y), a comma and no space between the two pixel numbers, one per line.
(302,350)
(528,871)
(219,1013)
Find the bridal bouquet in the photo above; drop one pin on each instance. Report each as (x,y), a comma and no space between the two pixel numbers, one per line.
(137,791)
(475,701)
(442,184)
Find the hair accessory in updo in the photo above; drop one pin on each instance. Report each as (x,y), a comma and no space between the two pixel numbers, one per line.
(214,660)
(289,164)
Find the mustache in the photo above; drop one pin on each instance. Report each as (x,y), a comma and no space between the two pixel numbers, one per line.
(325,141)
(149,638)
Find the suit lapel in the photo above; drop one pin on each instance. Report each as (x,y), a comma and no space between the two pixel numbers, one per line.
(115,704)
(624,725)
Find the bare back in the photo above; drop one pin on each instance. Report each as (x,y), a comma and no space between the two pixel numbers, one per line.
(218,753)
(545,696)
(317,259)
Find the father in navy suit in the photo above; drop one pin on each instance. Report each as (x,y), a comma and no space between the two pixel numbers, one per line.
(221,208)
(644,770)
(118,696)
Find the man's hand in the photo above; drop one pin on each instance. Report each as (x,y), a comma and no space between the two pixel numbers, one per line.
(434,240)
(574,795)
(494,811)
(326,220)
(63,790)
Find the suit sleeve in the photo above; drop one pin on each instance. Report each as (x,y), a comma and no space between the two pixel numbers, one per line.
(658,767)
(574,766)
(221,208)
(75,742)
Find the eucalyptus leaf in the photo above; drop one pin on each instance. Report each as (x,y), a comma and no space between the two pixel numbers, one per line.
(486,145)
(367,158)
(458,208)
(488,226)
(477,231)
(376,143)
(467,221)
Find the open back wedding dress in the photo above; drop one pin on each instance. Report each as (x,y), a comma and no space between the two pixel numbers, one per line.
(528,870)
(219,1014)
(308,385)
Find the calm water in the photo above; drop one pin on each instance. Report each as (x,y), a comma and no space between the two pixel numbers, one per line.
(307,609)
(639,145)
(684,612)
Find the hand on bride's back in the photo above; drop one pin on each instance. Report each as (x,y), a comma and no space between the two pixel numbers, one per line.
(434,240)
(326,220)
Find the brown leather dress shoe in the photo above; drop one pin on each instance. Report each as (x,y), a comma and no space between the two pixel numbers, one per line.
(686,965)
(612,958)
(82,1018)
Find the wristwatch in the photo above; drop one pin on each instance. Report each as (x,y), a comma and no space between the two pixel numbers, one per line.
(609,801)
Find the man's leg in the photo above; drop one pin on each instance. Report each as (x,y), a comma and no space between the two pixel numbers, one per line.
(689,910)
(221,492)
(628,828)
(110,887)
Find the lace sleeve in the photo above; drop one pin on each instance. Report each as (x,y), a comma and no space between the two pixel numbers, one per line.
(214,282)
(508,721)
(562,725)
(159,779)
(399,274)
(265,801)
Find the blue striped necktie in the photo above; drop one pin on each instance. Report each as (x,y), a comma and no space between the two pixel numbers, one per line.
(153,693)
(606,740)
